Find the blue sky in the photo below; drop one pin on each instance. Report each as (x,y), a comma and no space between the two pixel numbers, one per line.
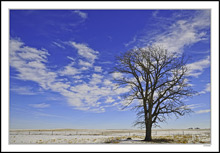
(60,62)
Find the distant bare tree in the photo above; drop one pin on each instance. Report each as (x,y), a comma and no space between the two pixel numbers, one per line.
(158,83)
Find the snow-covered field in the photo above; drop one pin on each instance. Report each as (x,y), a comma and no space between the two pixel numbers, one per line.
(85,136)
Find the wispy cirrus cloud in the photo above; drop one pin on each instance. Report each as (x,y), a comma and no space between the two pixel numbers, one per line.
(23,90)
(30,63)
(203,111)
(82,92)
(41,114)
(41,105)
(85,63)
(185,32)
(192,106)
(181,30)
(207,89)
(131,42)
(85,51)
(38,112)
(109,100)
(195,69)
(98,69)
(154,13)
(195,106)
(69,70)
(58,45)
(83,15)
(71,58)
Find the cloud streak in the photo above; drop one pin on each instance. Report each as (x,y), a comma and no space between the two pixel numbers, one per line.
(203,111)
(58,45)
(175,33)
(184,32)
(83,15)
(41,105)
(23,90)
(195,69)
(86,52)
(206,90)
(69,70)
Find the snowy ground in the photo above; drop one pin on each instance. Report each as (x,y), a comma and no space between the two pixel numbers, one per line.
(84,136)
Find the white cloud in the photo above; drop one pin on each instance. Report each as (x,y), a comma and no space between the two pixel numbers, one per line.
(131,42)
(85,64)
(84,68)
(181,30)
(31,66)
(98,69)
(122,90)
(69,70)
(82,88)
(98,110)
(71,58)
(107,82)
(107,62)
(41,105)
(96,79)
(81,14)
(44,114)
(86,94)
(117,75)
(59,86)
(207,89)
(30,63)
(35,70)
(154,13)
(83,108)
(15,45)
(192,106)
(58,45)
(73,99)
(23,90)
(77,77)
(89,94)
(195,69)
(35,64)
(181,33)
(109,100)
(85,51)
(185,32)
(203,111)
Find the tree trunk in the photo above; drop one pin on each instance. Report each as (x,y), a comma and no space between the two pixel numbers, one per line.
(148,132)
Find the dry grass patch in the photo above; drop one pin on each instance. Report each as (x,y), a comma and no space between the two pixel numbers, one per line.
(114,139)
(173,139)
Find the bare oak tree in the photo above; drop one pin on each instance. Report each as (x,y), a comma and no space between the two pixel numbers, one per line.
(158,83)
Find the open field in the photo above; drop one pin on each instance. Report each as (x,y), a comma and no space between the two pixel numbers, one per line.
(95,136)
